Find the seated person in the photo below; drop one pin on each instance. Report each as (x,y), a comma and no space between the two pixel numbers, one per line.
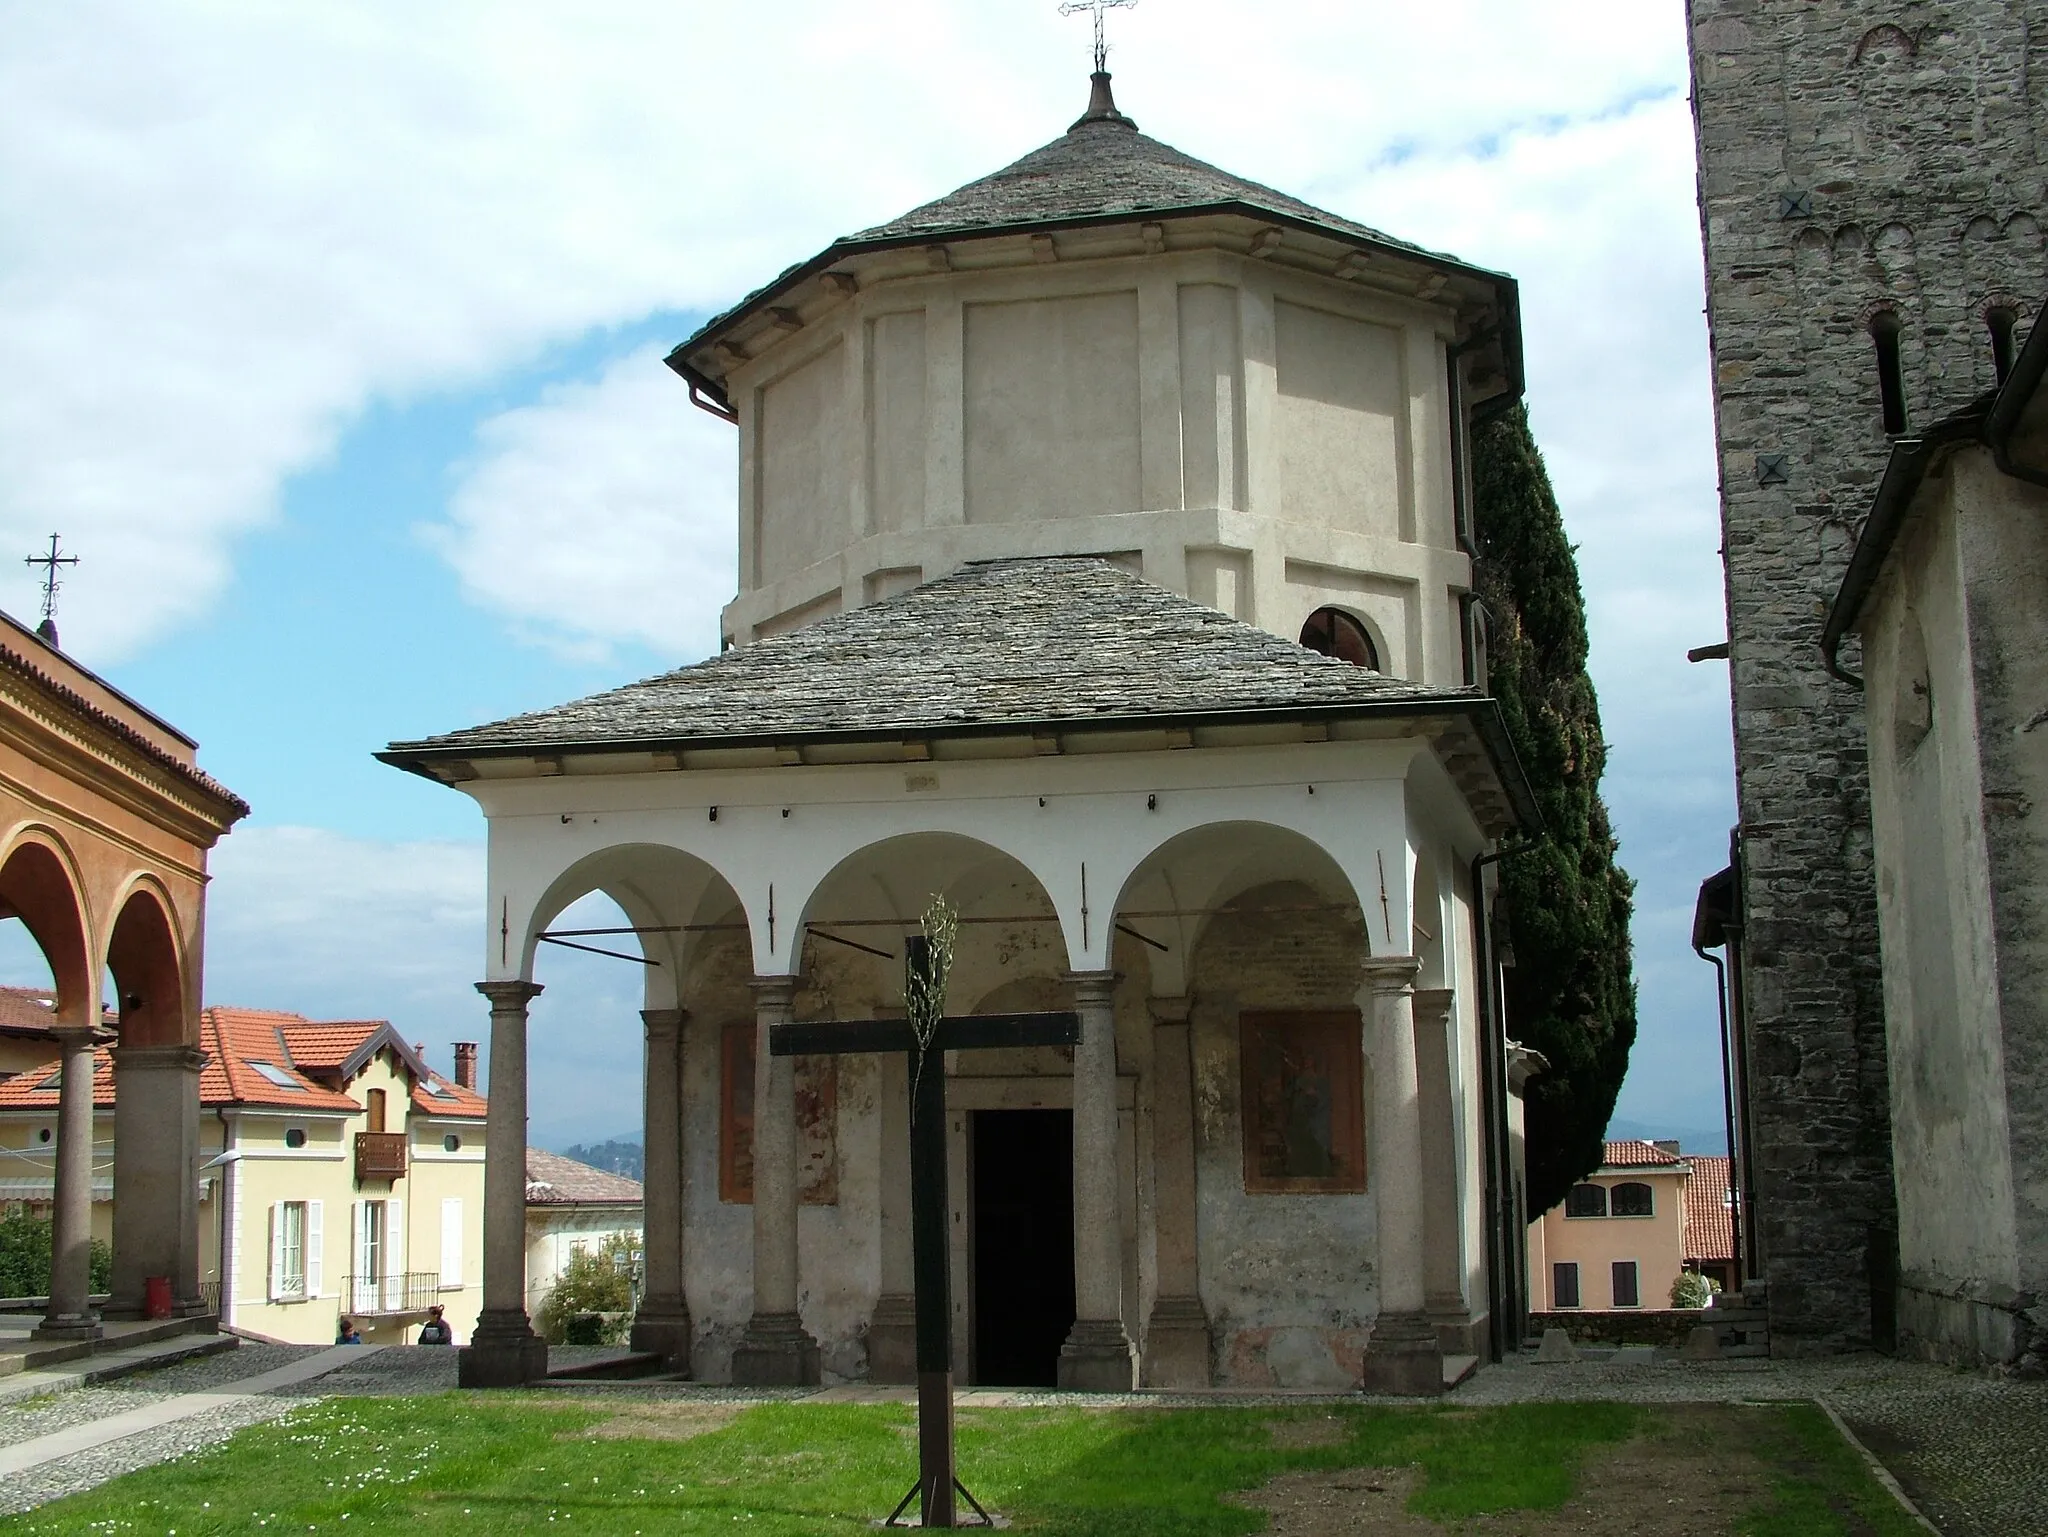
(346,1333)
(435,1330)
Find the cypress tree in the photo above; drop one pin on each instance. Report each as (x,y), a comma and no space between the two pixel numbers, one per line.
(1570,993)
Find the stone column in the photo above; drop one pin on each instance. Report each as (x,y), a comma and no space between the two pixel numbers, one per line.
(1097,1354)
(1403,1355)
(1177,1337)
(775,1351)
(156,1175)
(892,1332)
(70,1315)
(663,1323)
(503,1351)
(1443,1212)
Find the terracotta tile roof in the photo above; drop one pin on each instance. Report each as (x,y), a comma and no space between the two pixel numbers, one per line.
(1709,1219)
(290,1045)
(235,1040)
(25,1091)
(552,1180)
(28,1012)
(1638,1155)
(442,1096)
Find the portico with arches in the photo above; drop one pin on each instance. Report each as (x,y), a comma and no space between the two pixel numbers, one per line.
(1105,568)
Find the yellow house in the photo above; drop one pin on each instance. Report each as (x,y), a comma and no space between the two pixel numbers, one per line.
(1619,1239)
(340,1176)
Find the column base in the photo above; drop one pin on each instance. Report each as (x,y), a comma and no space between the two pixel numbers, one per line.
(1177,1345)
(502,1353)
(776,1352)
(68,1326)
(1097,1357)
(668,1333)
(892,1339)
(1403,1358)
(1458,1333)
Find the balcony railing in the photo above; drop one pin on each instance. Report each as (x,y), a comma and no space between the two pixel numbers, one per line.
(380,1155)
(412,1291)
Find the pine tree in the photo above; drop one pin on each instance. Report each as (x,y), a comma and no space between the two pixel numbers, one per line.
(1570,994)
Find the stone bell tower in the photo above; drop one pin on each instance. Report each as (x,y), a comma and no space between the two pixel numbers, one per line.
(1110,348)
(1871,183)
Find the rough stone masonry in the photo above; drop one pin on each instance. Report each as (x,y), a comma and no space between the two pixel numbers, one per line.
(1865,169)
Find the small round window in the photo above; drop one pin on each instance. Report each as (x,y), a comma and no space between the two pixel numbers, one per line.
(451,1143)
(43,1134)
(1335,633)
(294,1137)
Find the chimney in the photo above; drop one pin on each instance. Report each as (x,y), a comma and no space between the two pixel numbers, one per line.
(465,1064)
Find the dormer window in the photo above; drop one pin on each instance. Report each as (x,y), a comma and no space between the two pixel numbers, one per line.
(272,1073)
(1332,632)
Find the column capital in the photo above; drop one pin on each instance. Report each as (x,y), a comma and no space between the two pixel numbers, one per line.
(1433,1004)
(1390,974)
(1093,986)
(70,1037)
(513,994)
(773,992)
(1170,1011)
(186,1058)
(663,1021)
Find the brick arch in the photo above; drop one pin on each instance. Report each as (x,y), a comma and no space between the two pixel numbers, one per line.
(149,970)
(40,885)
(1886,43)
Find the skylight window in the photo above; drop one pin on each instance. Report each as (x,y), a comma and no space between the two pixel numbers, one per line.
(278,1076)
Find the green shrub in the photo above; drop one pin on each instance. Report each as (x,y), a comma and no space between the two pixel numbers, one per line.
(596,1281)
(1693,1290)
(25,1244)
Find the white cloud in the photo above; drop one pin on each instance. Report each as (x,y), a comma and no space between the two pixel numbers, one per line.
(236,227)
(604,512)
(333,927)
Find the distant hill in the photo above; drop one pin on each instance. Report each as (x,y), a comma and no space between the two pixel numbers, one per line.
(616,1156)
(1693,1139)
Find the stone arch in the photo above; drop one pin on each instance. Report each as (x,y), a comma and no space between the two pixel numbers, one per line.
(1179,888)
(1373,634)
(148,963)
(875,894)
(40,885)
(681,904)
(1886,43)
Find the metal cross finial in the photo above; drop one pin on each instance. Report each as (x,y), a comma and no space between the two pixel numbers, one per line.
(50,563)
(1069,7)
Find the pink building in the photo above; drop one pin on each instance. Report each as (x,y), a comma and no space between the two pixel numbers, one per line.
(1619,1240)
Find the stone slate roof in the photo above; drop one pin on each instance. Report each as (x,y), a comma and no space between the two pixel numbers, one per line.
(1100,170)
(552,1180)
(1101,167)
(1000,644)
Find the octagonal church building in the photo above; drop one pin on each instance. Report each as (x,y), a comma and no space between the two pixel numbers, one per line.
(1105,566)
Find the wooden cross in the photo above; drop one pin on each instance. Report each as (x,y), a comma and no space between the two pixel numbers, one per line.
(936,1480)
(1072,7)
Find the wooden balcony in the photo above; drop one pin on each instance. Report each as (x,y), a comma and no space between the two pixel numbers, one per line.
(380,1155)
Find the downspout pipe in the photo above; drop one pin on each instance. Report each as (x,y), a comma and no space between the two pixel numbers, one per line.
(1500,1226)
(230,1162)
(1727,1088)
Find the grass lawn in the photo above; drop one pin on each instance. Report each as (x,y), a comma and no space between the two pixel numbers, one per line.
(496,1464)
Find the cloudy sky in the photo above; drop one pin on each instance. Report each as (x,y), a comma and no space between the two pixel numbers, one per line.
(332,335)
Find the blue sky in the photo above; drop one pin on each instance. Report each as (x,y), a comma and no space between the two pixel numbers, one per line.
(333,348)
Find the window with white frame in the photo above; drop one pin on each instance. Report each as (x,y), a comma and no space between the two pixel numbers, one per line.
(451,1243)
(294,1251)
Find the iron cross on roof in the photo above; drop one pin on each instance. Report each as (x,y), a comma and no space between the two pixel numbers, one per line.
(925,1037)
(1070,7)
(50,562)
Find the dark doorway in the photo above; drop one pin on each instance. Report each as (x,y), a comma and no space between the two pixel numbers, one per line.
(1023,1244)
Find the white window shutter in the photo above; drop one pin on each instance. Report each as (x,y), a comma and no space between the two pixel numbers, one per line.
(275,1288)
(451,1241)
(394,1255)
(360,1218)
(312,1251)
